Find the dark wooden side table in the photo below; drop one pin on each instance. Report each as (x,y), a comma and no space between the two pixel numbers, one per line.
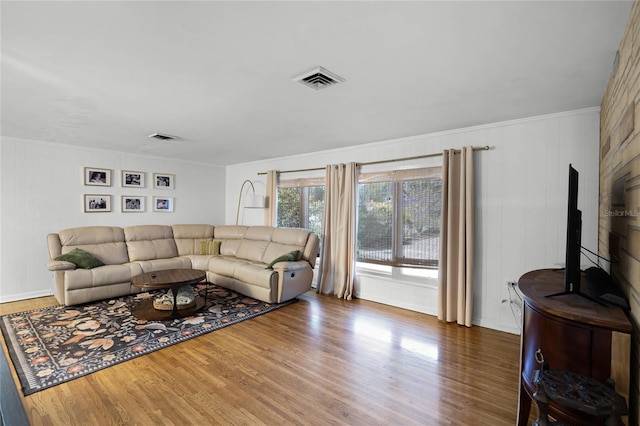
(578,392)
(575,335)
(168,279)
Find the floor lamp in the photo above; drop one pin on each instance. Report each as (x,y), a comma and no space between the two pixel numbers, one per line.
(252,201)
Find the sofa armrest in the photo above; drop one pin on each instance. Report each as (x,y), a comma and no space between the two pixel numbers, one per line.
(291,266)
(61,265)
(294,278)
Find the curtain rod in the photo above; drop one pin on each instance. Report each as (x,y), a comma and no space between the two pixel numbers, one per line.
(475,148)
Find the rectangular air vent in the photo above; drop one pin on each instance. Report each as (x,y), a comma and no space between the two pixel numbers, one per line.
(162,137)
(319,78)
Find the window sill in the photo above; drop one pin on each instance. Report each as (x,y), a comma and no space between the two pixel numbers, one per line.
(396,276)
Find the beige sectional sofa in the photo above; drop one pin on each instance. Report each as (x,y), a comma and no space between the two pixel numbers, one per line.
(240,265)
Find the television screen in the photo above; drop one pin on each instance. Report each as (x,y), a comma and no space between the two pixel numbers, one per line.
(574,235)
(572,270)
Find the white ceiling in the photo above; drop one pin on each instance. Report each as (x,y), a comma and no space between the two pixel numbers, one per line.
(219,74)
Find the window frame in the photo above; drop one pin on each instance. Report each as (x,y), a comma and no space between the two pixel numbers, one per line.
(397,177)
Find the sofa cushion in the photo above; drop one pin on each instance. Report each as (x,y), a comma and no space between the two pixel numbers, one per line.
(162,264)
(230,237)
(255,274)
(104,242)
(229,232)
(224,265)
(90,235)
(189,237)
(102,276)
(81,258)
(229,247)
(259,233)
(290,236)
(285,240)
(252,249)
(199,261)
(147,242)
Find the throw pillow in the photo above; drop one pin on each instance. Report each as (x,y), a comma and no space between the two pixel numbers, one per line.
(210,247)
(81,258)
(287,257)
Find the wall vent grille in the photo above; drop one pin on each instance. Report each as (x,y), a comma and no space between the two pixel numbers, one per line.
(319,78)
(162,137)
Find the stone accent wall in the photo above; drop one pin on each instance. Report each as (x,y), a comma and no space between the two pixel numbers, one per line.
(619,216)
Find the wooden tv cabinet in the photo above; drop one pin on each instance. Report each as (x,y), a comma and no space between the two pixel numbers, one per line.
(574,334)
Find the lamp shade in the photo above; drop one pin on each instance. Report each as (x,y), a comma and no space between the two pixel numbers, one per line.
(254,201)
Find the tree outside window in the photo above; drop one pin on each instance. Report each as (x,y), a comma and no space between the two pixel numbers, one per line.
(301,205)
(399,218)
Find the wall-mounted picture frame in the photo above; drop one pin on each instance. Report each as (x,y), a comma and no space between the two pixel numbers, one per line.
(132,204)
(163,181)
(97,177)
(132,179)
(163,204)
(96,203)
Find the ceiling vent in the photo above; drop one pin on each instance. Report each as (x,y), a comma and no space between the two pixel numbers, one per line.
(162,137)
(319,78)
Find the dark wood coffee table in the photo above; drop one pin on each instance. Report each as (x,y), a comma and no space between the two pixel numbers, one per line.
(168,279)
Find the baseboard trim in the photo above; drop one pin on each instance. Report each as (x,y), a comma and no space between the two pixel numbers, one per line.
(25,296)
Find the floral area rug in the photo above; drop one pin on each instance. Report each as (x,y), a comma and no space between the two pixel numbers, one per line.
(53,345)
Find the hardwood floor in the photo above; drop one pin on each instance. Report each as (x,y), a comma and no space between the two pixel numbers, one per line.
(319,361)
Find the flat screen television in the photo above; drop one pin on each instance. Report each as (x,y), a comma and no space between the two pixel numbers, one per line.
(572,270)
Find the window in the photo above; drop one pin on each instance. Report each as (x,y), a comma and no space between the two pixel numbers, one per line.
(301,204)
(399,217)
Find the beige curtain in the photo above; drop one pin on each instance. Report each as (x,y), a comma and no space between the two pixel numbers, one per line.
(337,261)
(271,191)
(455,295)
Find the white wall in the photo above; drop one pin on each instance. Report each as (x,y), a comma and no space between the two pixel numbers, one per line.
(42,192)
(521,202)
(521,187)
